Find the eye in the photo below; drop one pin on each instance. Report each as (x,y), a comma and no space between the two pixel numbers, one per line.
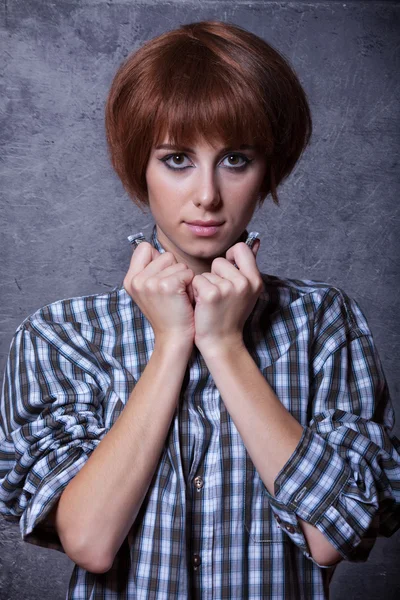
(235,166)
(178,155)
(178,158)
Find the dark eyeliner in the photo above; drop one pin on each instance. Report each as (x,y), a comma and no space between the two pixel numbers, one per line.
(165,158)
(241,168)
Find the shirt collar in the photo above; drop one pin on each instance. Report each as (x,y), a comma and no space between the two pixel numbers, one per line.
(155,241)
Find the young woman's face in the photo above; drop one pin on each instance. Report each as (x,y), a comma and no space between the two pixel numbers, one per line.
(202,183)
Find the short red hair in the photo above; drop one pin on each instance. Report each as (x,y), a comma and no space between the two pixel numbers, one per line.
(206,80)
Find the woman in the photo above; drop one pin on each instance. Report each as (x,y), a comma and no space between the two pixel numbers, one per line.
(203,430)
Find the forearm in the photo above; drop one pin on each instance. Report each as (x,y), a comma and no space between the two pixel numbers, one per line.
(268,430)
(99,506)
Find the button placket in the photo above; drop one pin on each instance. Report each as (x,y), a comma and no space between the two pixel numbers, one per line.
(196,561)
(198,482)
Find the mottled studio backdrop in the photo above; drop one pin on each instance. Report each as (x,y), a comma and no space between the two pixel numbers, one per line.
(65,216)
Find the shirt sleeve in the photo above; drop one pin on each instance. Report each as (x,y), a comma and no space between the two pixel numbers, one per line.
(344,475)
(50,422)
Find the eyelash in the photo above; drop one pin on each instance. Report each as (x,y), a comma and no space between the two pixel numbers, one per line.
(241,168)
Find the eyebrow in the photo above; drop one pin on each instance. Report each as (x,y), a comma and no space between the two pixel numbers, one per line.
(185,149)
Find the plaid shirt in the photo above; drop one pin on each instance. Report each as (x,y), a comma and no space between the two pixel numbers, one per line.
(208,527)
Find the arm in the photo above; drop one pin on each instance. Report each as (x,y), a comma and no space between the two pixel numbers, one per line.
(267,428)
(55,412)
(343,477)
(52,420)
(116,477)
(340,472)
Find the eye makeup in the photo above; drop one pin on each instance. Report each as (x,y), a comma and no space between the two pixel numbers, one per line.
(246,162)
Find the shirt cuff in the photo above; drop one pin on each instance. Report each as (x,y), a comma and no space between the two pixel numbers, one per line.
(34,527)
(309,486)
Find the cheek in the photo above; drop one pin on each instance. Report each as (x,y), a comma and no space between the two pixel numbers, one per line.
(159,184)
(164,201)
(242,192)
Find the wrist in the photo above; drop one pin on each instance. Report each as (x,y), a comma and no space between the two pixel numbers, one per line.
(218,347)
(174,345)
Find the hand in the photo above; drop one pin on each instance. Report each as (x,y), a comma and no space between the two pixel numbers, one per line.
(225,298)
(159,286)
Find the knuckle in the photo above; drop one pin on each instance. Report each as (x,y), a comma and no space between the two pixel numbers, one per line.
(127,283)
(135,282)
(213,295)
(164,286)
(218,260)
(150,285)
(242,285)
(260,286)
(181,267)
(169,257)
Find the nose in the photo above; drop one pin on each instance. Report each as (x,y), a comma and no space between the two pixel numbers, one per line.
(207,192)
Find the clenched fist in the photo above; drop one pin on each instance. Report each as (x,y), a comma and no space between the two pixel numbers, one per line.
(162,289)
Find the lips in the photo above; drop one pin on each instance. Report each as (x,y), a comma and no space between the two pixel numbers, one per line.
(202,231)
(205,223)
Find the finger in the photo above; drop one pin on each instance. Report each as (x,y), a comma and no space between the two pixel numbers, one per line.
(256,246)
(251,241)
(142,259)
(175,269)
(244,257)
(136,243)
(154,253)
(202,286)
(223,284)
(190,293)
(171,270)
(213,278)
(232,252)
(177,281)
(226,270)
(168,272)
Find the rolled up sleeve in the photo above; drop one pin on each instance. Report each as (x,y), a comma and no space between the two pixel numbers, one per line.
(50,422)
(344,475)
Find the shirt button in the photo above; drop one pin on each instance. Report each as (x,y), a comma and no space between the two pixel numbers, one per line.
(290,528)
(199,482)
(196,561)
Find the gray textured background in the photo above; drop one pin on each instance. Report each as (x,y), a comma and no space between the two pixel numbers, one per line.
(65,215)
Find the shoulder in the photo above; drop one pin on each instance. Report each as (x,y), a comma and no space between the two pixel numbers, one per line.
(93,310)
(312,317)
(325,307)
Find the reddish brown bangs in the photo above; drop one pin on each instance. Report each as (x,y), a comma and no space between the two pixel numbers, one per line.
(218,110)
